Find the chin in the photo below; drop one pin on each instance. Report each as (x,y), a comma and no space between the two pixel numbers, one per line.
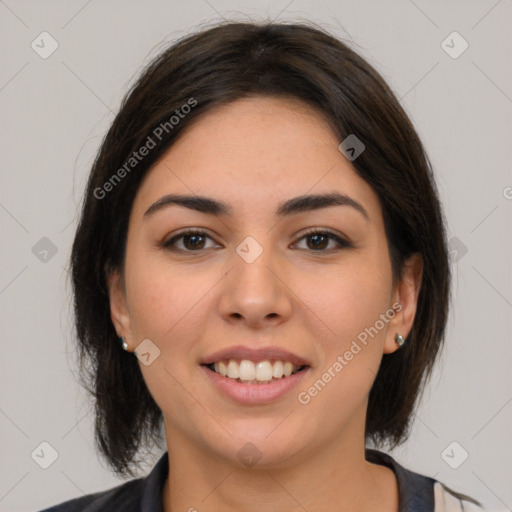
(262,446)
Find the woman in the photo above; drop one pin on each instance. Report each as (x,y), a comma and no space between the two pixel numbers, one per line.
(261,268)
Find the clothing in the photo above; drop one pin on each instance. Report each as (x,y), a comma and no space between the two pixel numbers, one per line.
(417,493)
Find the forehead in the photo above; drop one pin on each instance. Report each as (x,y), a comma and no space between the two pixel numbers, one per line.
(255,152)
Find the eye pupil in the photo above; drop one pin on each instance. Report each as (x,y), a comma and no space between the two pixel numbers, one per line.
(189,237)
(316,237)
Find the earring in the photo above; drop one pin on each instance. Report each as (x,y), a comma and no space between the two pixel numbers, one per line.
(123,343)
(399,340)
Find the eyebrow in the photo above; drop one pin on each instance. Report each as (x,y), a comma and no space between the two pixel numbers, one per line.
(292,206)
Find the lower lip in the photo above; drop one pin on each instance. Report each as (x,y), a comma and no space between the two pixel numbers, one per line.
(255,394)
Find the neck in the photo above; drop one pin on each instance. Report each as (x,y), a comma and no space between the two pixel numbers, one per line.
(336,478)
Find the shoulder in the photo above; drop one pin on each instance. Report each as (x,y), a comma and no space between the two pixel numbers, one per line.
(448,500)
(422,493)
(139,494)
(125,497)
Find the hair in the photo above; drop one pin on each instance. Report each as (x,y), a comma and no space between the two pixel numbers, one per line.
(215,66)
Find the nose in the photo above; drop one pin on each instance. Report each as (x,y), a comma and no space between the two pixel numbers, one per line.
(255,293)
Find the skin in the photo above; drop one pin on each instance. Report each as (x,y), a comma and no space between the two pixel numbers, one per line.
(254,154)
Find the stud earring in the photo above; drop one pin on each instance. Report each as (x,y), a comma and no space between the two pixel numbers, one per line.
(123,343)
(399,339)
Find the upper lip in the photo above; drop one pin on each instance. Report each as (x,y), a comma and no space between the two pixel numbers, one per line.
(254,354)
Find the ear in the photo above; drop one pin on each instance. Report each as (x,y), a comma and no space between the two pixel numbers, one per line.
(118,307)
(405,302)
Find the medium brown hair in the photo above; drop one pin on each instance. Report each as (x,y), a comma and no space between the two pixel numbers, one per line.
(216,66)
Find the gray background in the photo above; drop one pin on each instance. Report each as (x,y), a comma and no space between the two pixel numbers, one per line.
(54,112)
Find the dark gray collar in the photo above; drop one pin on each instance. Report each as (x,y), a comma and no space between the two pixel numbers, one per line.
(416,492)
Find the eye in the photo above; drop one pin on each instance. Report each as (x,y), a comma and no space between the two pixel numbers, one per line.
(320,240)
(195,241)
(192,240)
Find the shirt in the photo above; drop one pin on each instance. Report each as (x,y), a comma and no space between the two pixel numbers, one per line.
(417,493)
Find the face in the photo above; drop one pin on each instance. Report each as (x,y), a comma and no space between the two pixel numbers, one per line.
(264,285)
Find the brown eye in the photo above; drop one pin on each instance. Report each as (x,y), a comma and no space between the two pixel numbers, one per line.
(319,241)
(190,241)
(194,241)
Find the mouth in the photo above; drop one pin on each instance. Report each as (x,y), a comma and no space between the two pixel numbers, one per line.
(249,372)
(255,376)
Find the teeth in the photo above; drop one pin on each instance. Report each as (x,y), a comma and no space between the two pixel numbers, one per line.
(223,369)
(264,371)
(277,370)
(233,369)
(253,373)
(247,370)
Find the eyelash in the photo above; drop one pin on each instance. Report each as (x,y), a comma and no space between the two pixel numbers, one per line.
(343,243)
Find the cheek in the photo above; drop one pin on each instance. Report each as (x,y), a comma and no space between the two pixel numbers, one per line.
(352,302)
(168,306)
(166,302)
(347,300)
